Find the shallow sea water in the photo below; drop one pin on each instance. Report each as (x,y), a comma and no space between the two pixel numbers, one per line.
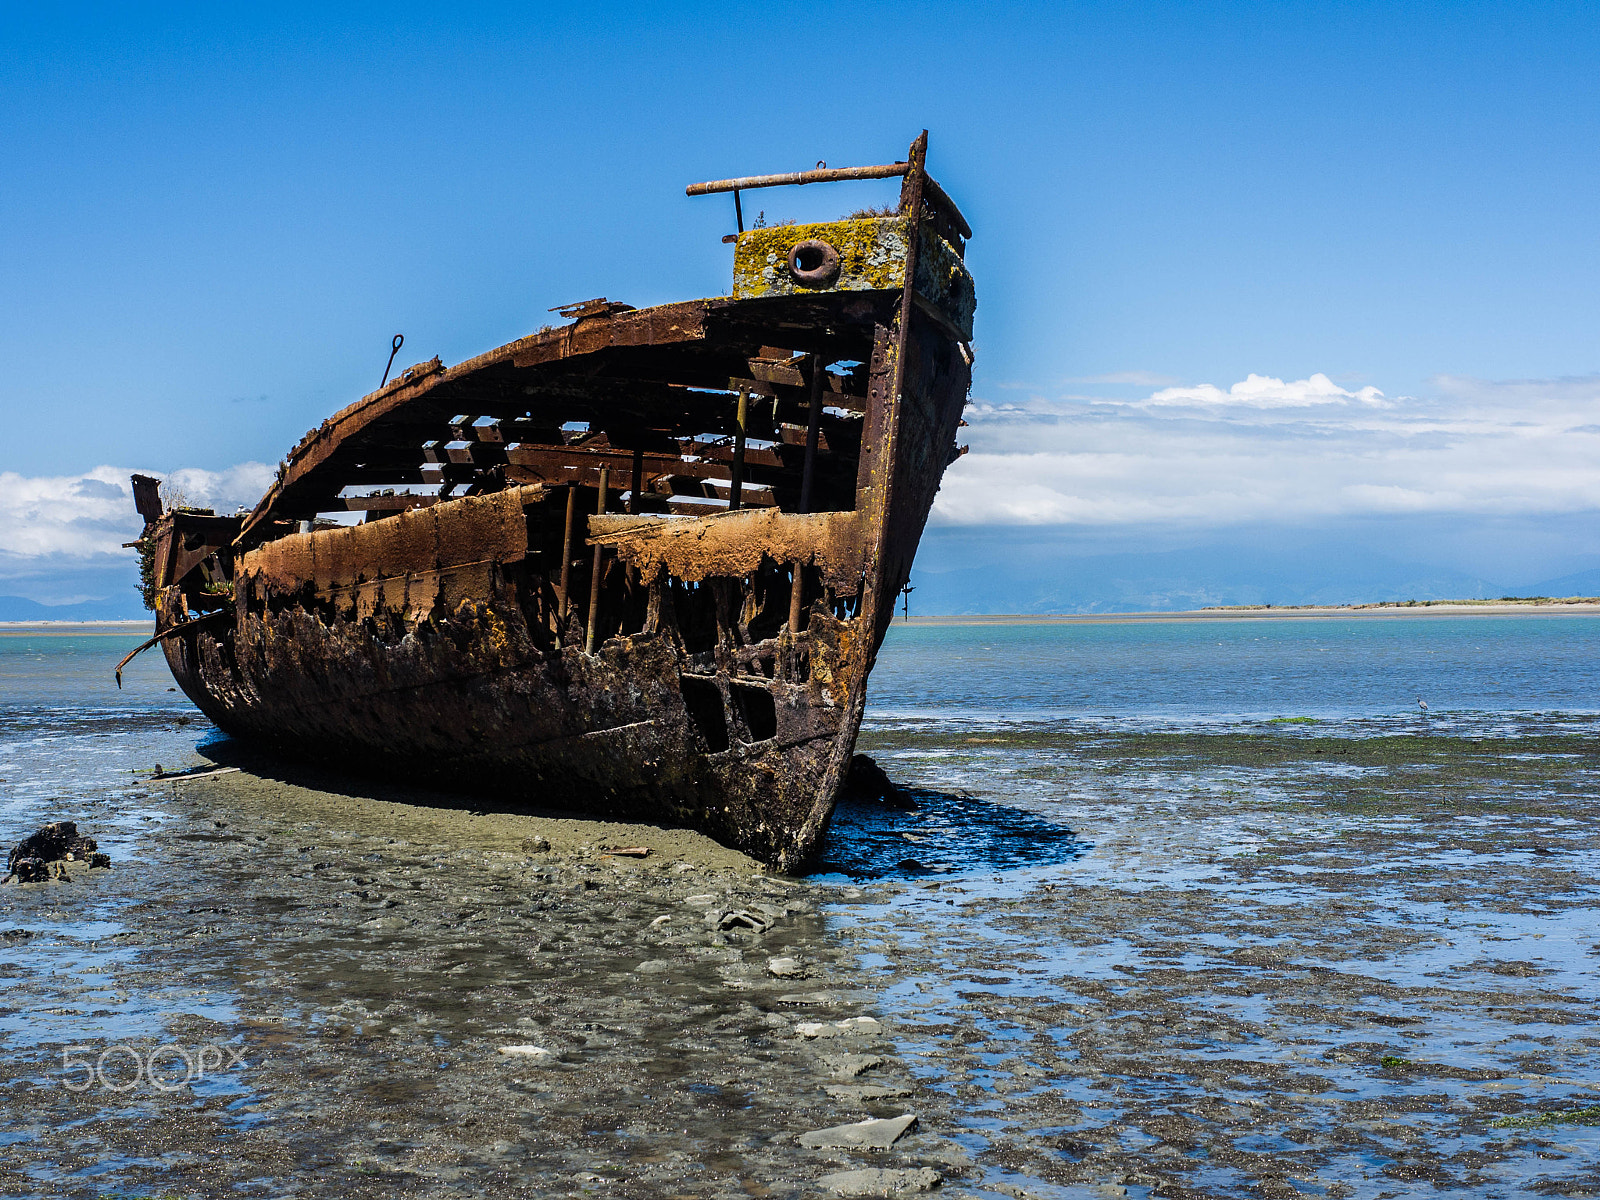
(1177,909)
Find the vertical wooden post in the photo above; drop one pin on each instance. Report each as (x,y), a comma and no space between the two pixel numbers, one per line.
(637,483)
(813,421)
(566,547)
(736,472)
(594,580)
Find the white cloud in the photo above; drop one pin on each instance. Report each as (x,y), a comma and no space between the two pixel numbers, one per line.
(85,518)
(1263,391)
(1136,378)
(1269,450)
(1265,451)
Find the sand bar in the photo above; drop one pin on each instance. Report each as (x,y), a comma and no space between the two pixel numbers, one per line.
(1365,611)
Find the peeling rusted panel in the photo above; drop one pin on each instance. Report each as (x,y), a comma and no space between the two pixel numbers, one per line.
(734,544)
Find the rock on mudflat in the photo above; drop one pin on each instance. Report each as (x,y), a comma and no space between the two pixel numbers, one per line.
(821,1029)
(535,1052)
(878,1134)
(39,856)
(786,968)
(737,918)
(856,1093)
(880,1181)
(848,1066)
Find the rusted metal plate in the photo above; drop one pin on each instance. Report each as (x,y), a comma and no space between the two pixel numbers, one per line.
(412,562)
(734,544)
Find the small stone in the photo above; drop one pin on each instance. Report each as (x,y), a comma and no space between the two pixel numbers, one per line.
(860,1093)
(809,999)
(30,870)
(535,845)
(872,1134)
(848,1066)
(822,1029)
(880,1181)
(725,919)
(867,781)
(786,968)
(527,1051)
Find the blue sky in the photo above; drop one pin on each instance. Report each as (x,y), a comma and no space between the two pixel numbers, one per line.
(216,220)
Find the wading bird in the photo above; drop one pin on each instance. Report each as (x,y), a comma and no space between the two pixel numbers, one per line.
(1422,704)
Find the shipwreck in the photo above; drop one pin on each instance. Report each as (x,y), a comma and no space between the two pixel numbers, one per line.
(638,564)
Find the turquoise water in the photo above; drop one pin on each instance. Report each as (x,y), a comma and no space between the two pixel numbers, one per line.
(72,670)
(1331,668)
(65,726)
(1242,668)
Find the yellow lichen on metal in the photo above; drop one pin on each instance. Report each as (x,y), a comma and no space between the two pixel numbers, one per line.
(872,256)
(943,279)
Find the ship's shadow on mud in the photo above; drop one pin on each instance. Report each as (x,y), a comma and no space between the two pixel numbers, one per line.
(938,833)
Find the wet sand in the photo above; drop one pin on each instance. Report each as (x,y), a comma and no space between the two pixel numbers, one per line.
(1267,961)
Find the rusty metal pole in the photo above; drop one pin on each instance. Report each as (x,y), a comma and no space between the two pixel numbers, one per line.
(594,581)
(637,483)
(796,590)
(813,423)
(736,472)
(566,547)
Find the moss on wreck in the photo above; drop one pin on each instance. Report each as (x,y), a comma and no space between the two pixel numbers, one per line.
(872,256)
(146,546)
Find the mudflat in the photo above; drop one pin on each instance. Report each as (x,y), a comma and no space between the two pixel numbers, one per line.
(1269,959)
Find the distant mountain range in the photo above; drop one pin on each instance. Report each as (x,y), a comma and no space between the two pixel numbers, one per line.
(15,608)
(1015,571)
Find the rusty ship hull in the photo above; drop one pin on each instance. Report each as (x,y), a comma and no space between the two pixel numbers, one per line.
(637,565)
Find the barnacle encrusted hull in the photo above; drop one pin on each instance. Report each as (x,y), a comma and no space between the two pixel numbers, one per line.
(638,565)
